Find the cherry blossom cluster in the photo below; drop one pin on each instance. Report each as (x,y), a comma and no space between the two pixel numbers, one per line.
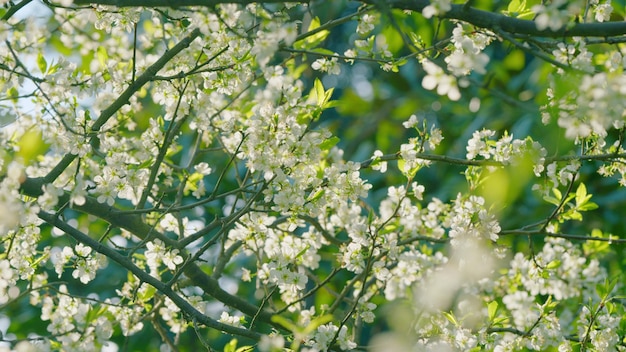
(591,110)
(506,150)
(466,57)
(557,14)
(196,163)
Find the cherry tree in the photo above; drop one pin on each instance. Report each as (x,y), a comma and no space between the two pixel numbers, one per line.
(383,175)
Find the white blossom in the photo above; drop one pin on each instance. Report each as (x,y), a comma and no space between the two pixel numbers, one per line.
(603,12)
(436,78)
(435,8)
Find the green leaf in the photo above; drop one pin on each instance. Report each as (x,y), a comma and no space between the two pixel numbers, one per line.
(492,308)
(588,206)
(557,193)
(318,88)
(304,250)
(553,264)
(389,228)
(331,104)
(316,96)
(12,94)
(611,307)
(31,145)
(231,346)
(519,9)
(410,174)
(147,294)
(597,247)
(451,318)
(317,195)
(499,321)
(581,194)
(294,68)
(549,304)
(401,164)
(284,322)
(604,289)
(323,51)
(192,182)
(41,63)
(317,322)
(102,55)
(516,6)
(416,39)
(574,215)
(329,143)
(327,95)
(314,40)
(306,330)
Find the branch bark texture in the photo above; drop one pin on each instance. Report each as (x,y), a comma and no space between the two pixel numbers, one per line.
(479,18)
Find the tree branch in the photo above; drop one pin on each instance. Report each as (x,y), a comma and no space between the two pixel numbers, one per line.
(122,100)
(145,277)
(495,21)
(146,77)
(170,3)
(135,224)
(13,9)
(612,157)
(611,239)
(484,19)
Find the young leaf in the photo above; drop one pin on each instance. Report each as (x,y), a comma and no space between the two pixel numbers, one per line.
(312,41)
(102,56)
(581,194)
(286,323)
(516,6)
(553,264)
(318,88)
(41,63)
(329,143)
(557,193)
(231,346)
(492,308)
(13,93)
(317,195)
(450,318)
